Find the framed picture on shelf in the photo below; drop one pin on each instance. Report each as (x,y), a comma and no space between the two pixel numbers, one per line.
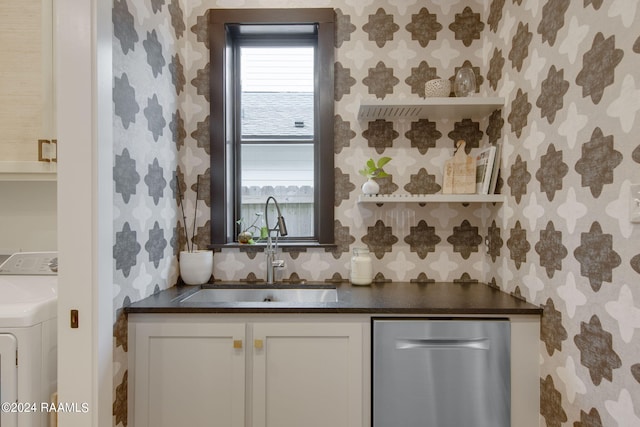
(485,160)
(496,169)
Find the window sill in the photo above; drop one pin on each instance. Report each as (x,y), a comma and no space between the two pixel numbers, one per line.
(286,246)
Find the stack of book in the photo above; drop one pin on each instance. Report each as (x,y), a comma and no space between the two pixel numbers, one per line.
(487,167)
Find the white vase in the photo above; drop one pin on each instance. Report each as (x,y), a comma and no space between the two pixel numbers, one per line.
(370,187)
(196,267)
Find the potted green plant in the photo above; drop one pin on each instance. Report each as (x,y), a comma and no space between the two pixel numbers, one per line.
(373,170)
(247,235)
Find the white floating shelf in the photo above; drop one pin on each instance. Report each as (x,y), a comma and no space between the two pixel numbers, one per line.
(431,108)
(432,198)
(28,171)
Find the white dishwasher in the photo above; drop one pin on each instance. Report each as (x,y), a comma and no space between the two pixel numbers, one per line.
(441,373)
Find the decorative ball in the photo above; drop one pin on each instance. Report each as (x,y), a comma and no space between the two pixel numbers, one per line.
(245,237)
(437,88)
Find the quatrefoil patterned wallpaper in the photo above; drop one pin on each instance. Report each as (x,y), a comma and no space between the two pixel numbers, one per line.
(568,72)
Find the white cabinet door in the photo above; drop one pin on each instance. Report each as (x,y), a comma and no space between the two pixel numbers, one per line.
(189,374)
(26,87)
(307,374)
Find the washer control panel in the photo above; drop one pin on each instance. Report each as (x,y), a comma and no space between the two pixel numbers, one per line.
(30,264)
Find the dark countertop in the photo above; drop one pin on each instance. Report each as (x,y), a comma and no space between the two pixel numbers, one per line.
(441,298)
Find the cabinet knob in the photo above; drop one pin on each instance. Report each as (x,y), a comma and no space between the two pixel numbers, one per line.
(258,344)
(237,344)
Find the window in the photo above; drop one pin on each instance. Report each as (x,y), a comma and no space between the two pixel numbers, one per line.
(276,117)
(272,120)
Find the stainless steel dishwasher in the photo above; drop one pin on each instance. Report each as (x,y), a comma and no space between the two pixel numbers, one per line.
(441,373)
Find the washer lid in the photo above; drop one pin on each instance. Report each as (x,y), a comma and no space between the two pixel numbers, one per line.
(27,300)
(30,264)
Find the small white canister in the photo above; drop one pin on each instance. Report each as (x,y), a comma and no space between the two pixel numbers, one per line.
(361,267)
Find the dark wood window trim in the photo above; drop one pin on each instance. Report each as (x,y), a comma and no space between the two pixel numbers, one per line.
(221,125)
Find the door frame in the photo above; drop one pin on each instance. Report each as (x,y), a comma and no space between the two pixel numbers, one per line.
(83,81)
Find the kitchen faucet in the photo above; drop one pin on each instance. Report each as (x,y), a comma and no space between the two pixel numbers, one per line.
(281,229)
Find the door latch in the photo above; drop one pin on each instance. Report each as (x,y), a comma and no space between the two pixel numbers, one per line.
(74,319)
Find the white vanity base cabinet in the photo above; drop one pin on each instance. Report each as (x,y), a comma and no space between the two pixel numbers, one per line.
(525,371)
(307,374)
(254,371)
(279,370)
(188,374)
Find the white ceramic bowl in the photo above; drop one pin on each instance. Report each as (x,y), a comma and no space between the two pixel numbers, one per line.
(196,267)
(437,88)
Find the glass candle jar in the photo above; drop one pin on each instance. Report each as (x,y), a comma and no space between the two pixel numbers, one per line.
(465,82)
(361,267)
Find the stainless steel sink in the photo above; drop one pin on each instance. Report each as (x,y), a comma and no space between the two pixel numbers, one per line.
(262,294)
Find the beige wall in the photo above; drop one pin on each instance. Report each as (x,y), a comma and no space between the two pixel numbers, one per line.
(567,241)
(28,216)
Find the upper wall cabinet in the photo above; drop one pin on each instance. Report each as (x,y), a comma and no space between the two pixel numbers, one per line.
(430,108)
(26,87)
(27,171)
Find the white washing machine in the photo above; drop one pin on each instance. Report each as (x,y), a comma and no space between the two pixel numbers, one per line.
(28,337)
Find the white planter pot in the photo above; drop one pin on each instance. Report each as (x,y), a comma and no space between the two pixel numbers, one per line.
(196,267)
(370,187)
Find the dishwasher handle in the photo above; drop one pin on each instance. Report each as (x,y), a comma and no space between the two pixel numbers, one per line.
(443,343)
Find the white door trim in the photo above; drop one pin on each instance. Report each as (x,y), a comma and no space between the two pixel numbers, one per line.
(83,73)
